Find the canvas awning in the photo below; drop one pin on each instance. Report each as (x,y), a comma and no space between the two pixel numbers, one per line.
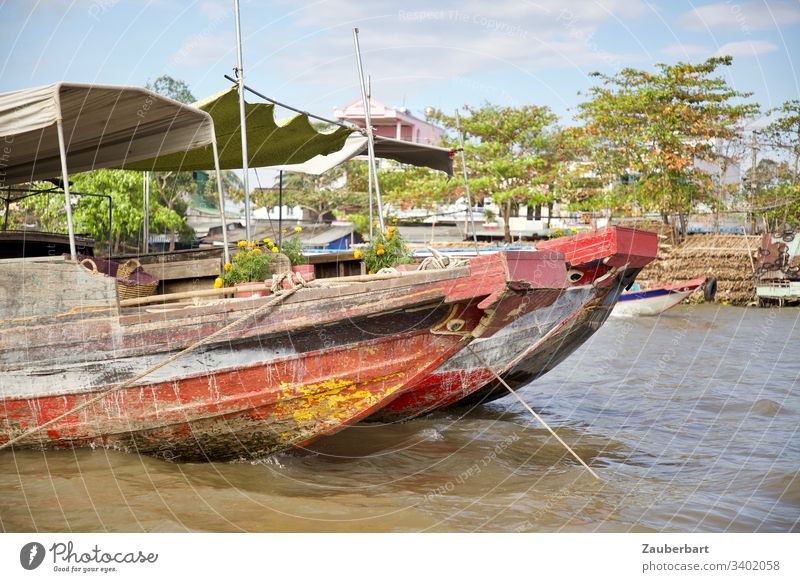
(426,156)
(269,142)
(104,126)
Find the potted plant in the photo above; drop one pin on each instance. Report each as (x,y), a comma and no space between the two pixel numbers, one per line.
(385,250)
(292,247)
(252,263)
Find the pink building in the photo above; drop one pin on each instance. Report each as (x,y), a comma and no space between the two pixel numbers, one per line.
(388,122)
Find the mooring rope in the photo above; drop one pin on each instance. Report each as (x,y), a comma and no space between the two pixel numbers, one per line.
(536,416)
(253,314)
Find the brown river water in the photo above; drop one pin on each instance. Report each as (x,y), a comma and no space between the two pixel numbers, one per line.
(690,419)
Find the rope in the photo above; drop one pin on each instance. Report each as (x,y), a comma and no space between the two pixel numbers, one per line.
(253,314)
(536,416)
(438,260)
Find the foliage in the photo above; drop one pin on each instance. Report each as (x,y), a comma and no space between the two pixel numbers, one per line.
(386,250)
(784,132)
(774,195)
(172,88)
(508,151)
(292,247)
(90,214)
(252,263)
(648,129)
(317,194)
(558,233)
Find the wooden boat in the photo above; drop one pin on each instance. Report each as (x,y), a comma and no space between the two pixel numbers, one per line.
(212,378)
(601,263)
(657,300)
(323,358)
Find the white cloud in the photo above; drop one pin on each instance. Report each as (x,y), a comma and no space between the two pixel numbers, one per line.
(686,50)
(743,16)
(747,48)
(446,40)
(201,50)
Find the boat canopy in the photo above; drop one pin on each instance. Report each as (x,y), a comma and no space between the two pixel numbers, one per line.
(104,126)
(292,145)
(269,142)
(416,154)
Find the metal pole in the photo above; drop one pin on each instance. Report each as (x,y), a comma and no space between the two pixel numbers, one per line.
(146,226)
(466,182)
(370,139)
(62,150)
(280,209)
(221,200)
(242,120)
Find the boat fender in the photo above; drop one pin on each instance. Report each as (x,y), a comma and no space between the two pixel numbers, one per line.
(710,289)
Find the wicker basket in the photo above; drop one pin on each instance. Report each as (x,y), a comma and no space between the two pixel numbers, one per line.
(133,281)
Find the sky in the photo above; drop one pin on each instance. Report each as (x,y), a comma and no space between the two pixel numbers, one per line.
(418,53)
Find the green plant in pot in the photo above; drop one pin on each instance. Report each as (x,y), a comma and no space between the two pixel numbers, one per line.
(250,264)
(386,250)
(292,247)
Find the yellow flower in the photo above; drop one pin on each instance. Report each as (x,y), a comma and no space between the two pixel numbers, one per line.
(380,252)
(392,229)
(574,230)
(217,282)
(251,244)
(379,245)
(357,254)
(268,242)
(256,251)
(370,272)
(238,255)
(394,220)
(241,244)
(298,229)
(274,249)
(227,266)
(388,237)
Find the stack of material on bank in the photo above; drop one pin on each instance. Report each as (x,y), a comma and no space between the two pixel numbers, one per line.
(728,257)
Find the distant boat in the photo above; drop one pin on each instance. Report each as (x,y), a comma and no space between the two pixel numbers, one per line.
(657,300)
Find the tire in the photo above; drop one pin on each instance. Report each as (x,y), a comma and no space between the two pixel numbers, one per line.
(710,289)
(787,237)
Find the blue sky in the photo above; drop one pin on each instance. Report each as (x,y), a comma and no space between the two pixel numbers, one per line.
(419,53)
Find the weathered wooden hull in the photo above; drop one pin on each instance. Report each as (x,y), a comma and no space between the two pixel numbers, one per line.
(320,361)
(555,330)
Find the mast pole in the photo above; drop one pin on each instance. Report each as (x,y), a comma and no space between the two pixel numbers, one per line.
(242,121)
(370,138)
(466,182)
(62,150)
(146,225)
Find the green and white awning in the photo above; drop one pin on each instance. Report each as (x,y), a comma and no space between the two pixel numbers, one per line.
(269,142)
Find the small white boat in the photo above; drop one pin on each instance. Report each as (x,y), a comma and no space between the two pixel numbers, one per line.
(657,300)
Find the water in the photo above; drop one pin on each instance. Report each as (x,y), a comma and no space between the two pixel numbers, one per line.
(691,420)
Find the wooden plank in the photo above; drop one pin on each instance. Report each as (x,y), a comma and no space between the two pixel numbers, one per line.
(191,269)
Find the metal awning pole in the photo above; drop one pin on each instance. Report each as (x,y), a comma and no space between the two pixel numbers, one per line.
(62,150)
(221,201)
(370,138)
(371,218)
(280,209)
(466,182)
(146,226)
(242,120)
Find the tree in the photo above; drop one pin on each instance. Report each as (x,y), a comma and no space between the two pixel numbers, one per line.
(172,88)
(507,151)
(650,128)
(173,189)
(784,132)
(90,214)
(317,194)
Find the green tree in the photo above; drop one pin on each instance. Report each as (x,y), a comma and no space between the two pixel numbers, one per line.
(648,130)
(784,133)
(172,88)
(509,152)
(90,214)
